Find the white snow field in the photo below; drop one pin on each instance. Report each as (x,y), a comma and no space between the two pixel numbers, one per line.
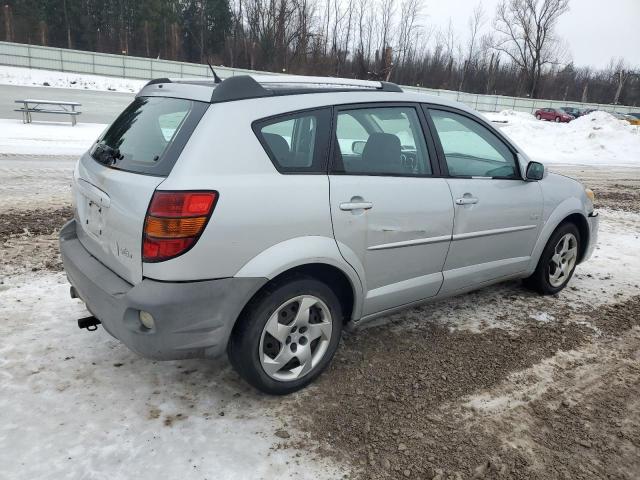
(37,78)
(595,139)
(47,138)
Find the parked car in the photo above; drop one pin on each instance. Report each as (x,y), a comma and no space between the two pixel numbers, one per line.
(261,215)
(573,111)
(633,118)
(553,114)
(626,117)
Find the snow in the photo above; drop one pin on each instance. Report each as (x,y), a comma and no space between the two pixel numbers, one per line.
(542,317)
(81,405)
(595,139)
(47,138)
(38,78)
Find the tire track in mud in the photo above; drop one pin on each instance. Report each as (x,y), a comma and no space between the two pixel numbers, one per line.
(33,222)
(29,239)
(396,404)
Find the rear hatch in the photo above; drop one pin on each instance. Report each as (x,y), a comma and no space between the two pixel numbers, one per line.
(115,180)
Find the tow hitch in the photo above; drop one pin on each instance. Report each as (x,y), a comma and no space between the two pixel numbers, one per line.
(90,323)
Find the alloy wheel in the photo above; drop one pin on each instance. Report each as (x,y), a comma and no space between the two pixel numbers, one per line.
(295,338)
(563,259)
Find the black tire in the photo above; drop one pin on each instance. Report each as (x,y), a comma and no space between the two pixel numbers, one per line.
(539,117)
(244,344)
(539,280)
(557,119)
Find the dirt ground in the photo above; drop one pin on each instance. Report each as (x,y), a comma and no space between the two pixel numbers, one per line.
(499,383)
(616,188)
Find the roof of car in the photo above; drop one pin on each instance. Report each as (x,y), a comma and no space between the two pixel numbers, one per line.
(271,87)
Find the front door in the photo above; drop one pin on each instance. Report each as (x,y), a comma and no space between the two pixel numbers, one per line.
(497,213)
(392,218)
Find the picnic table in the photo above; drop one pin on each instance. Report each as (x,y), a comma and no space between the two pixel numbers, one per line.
(55,107)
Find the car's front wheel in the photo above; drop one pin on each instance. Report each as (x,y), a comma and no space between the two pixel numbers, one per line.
(539,117)
(557,262)
(557,119)
(287,335)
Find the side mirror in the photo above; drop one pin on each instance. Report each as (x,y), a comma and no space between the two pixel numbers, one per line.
(357,147)
(535,171)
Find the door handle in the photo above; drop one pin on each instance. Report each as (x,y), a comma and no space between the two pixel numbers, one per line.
(466,201)
(346,206)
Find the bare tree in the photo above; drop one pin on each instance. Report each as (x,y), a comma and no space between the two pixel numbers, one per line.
(475,24)
(66,23)
(525,32)
(447,44)
(408,30)
(620,74)
(8,23)
(387,13)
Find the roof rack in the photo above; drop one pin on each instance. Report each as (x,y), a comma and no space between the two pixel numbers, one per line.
(243,87)
(249,86)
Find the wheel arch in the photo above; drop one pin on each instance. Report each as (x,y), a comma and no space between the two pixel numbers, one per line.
(579,220)
(569,211)
(315,256)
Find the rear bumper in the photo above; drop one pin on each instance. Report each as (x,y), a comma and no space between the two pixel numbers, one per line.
(594,224)
(192,319)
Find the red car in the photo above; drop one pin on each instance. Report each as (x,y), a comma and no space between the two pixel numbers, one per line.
(553,114)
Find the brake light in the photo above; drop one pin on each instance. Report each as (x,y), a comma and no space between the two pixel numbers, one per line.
(174,222)
(181,204)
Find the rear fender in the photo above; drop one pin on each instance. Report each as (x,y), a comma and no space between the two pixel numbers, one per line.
(300,251)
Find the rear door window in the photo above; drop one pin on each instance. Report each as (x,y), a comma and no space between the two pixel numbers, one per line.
(380,141)
(296,142)
(149,134)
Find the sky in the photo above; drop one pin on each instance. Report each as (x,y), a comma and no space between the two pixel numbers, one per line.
(594,30)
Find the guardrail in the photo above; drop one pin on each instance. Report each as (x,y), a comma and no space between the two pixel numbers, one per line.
(76,61)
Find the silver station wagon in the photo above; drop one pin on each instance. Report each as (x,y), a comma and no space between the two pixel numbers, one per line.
(260,216)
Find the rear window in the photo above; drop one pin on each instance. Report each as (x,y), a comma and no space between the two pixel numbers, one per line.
(149,135)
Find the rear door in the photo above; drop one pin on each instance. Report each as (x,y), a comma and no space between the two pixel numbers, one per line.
(115,180)
(391,214)
(497,213)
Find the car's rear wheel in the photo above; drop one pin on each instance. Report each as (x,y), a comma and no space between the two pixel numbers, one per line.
(557,262)
(287,335)
(539,117)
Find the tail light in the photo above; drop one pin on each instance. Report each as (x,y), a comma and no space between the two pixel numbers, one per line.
(174,222)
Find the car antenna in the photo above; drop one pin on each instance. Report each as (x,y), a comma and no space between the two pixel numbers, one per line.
(216,78)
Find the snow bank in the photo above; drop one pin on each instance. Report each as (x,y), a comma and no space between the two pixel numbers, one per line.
(42,78)
(47,138)
(595,139)
(506,116)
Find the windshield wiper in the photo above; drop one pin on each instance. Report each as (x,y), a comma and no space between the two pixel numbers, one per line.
(106,155)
